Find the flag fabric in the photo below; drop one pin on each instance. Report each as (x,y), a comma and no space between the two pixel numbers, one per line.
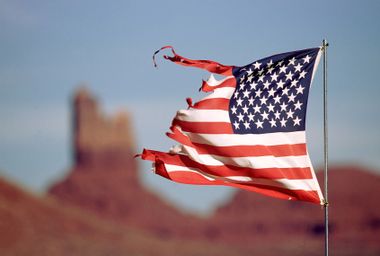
(248,131)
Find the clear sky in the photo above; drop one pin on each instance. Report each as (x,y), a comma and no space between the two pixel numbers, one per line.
(47,48)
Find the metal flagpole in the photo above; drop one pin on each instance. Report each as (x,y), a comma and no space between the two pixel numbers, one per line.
(325,145)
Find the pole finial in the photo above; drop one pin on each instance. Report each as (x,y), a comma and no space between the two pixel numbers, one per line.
(325,44)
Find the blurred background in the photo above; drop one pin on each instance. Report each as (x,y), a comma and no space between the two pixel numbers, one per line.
(48,49)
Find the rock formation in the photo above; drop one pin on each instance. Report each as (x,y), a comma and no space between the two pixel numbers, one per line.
(104,178)
(97,139)
(42,226)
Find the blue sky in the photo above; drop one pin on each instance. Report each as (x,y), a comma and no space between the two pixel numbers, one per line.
(47,48)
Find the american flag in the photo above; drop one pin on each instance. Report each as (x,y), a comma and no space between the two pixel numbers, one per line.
(249,131)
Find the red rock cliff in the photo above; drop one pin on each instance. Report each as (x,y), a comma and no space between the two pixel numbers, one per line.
(104,177)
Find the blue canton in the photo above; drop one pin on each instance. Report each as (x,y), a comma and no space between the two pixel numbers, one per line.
(271,94)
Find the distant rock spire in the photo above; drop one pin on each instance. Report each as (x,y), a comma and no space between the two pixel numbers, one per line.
(97,138)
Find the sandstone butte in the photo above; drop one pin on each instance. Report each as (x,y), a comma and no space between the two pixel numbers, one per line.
(101,208)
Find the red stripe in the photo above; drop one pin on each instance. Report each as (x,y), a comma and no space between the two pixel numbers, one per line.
(229,170)
(193,178)
(209,65)
(204,127)
(216,103)
(282,193)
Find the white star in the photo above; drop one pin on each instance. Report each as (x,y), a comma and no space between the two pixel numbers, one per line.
(272,123)
(294,82)
(271,92)
(261,78)
(277,99)
(240,117)
(292,61)
(236,94)
(245,109)
(249,79)
(292,97)
(236,124)
(270,70)
(233,109)
(271,108)
(298,105)
(306,59)
(260,72)
(239,101)
(274,77)
(258,93)
(253,85)
(250,117)
(298,67)
(282,70)
(283,122)
(242,86)
(247,125)
(289,75)
(246,93)
(266,84)
(303,74)
(263,100)
(264,115)
(256,108)
(290,113)
(259,124)
(283,106)
(285,91)
(257,65)
(280,63)
(250,101)
(249,72)
(296,121)
(270,63)
(280,84)
(277,115)
(300,89)
(242,79)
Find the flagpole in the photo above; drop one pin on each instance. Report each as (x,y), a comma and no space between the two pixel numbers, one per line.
(325,145)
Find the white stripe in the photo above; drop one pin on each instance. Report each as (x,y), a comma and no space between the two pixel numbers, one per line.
(224,93)
(316,63)
(212,81)
(268,139)
(316,183)
(300,184)
(203,115)
(249,162)
(177,168)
